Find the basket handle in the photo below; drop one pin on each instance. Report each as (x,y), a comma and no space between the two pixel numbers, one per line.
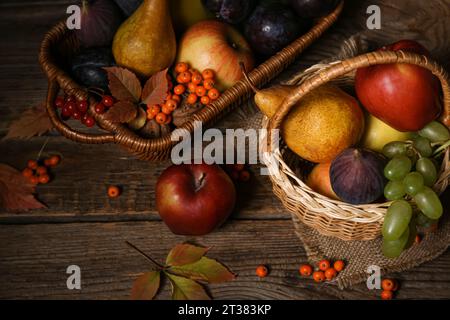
(344,67)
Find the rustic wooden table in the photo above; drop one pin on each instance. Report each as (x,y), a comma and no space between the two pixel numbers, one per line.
(83,227)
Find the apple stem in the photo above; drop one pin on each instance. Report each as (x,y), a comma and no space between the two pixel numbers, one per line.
(200,182)
(244,72)
(159,266)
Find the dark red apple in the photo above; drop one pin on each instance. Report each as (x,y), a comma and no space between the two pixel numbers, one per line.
(404,96)
(194,199)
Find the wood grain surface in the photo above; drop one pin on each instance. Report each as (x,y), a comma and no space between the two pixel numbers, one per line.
(82,226)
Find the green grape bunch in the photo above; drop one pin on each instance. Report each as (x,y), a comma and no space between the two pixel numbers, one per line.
(412,172)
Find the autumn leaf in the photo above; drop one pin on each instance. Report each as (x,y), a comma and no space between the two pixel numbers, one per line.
(123,84)
(32,122)
(146,286)
(122,112)
(205,269)
(16,192)
(185,254)
(156,88)
(186,289)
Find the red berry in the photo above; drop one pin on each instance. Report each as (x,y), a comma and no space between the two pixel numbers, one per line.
(107,101)
(32,164)
(82,106)
(41,170)
(89,122)
(71,99)
(54,160)
(34,180)
(44,179)
(99,108)
(59,102)
(27,172)
(113,191)
(84,117)
(76,115)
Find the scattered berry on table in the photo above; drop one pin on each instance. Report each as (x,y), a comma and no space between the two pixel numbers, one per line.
(27,172)
(330,274)
(305,270)
(386,295)
(324,265)
(339,265)
(41,170)
(262,271)
(32,164)
(388,285)
(113,191)
(319,276)
(44,179)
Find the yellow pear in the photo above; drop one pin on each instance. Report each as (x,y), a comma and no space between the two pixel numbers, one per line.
(378,134)
(145,43)
(324,123)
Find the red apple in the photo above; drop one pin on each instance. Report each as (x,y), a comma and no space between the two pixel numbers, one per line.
(404,96)
(218,46)
(194,199)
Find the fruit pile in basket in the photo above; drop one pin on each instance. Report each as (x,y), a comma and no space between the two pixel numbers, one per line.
(126,44)
(387,145)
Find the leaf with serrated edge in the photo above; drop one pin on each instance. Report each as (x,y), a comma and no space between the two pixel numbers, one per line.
(185,254)
(156,88)
(122,112)
(186,289)
(146,286)
(123,84)
(16,192)
(205,269)
(33,122)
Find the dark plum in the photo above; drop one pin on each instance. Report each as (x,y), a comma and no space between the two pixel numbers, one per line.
(87,67)
(128,6)
(311,9)
(231,11)
(271,27)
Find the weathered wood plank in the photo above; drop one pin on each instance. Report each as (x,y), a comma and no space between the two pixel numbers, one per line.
(33,260)
(78,191)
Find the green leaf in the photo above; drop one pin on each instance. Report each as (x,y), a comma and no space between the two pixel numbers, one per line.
(186,289)
(205,269)
(185,253)
(146,286)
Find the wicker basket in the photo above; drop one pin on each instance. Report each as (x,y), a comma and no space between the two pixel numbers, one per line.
(331,217)
(60,43)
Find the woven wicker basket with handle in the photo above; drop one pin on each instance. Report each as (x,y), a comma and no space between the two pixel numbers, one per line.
(331,217)
(60,43)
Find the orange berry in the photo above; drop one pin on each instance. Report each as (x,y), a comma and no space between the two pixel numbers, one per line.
(192,98)
(166,110)
(196,78)
(192,70)
(386,295)
(324,265)
(169,96)
(192,86)
(113,191)
(161,118)
(330,274)
(339,265)
(244,176)
(27,172)
(184,77)
(34,179)
(388,284)
(200,91)
(171,104)
(47,163)
(262,271)
(318,276)
(208,74)
(32,164)
(54,160)
(205,100)
(213,94)
(176,98)
(181,67)
(155,108)
(169,119)
(208,84)
(41,170)
(305,270)
(179,89)
(44,179)
(418,239)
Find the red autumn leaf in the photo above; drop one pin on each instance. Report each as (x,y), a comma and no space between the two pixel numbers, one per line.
(185,253)
(146,286)
(156,88)
(186,289)
(205,269)
(16,192)
(123,84)
(122,112)
(32,122)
